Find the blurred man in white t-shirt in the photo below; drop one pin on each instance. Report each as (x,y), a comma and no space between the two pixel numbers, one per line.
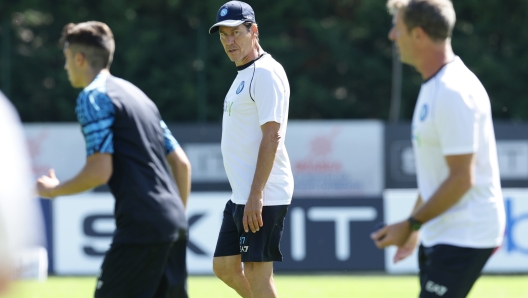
(20,225)
(460,207)
(255,158)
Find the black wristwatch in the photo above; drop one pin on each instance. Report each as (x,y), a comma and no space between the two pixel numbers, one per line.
(415,225)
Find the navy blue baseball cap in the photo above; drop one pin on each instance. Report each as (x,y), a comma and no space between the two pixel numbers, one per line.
(232,14)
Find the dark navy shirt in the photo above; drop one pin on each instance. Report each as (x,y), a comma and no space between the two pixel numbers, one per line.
(118,118)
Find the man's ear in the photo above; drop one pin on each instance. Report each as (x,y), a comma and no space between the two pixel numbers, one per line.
(80,59)
(418,34)
(254,29)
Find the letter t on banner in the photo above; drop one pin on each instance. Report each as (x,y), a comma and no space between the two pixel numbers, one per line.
(342,216)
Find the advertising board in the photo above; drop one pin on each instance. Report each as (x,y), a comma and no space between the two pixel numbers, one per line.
(512,154)
(323,234)
(57,146)
(328,158)
(83,226)
(336,158)
(320,234)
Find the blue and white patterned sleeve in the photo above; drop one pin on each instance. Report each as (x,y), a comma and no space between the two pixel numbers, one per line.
(96,113)
(169,141)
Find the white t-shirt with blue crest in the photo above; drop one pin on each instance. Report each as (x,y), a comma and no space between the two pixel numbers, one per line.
(453,117)
(259,94)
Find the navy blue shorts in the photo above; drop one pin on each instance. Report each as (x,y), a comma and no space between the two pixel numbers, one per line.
(144,270)
(262,246)
(450,271)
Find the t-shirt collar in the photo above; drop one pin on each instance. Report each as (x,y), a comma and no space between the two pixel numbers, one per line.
(242,67)
(441,68)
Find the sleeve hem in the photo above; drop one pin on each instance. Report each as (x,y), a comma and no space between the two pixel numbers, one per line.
(459,150)
(92,152)
(262,122)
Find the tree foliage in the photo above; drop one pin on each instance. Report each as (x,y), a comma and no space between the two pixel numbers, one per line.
(335,52)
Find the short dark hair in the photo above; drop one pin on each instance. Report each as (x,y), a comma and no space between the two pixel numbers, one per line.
(436,17)
(94,39)
(248,26)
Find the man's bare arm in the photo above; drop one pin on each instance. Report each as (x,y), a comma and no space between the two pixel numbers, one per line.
(418,204)
(97,171)
(458,182)
(266,157)
(181,171)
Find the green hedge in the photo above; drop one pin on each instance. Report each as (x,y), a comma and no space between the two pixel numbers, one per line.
(335,52)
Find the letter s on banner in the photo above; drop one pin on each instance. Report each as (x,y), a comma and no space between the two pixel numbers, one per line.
(91,228)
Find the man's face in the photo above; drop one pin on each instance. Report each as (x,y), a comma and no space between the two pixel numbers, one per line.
(71,65)
(237,42)
(402,37)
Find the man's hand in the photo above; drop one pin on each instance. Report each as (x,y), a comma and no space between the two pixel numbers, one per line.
(395,234)
(407,248)
(46,184)
(5,278)
(253,213)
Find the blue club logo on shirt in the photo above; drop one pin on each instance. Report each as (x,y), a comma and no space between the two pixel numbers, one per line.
(223,12)
(423,112)
(240,88)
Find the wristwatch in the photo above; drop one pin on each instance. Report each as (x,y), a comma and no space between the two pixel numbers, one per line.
(415,225)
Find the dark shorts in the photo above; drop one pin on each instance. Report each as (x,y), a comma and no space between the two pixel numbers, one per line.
(144,270)
(262,246)
(450,271)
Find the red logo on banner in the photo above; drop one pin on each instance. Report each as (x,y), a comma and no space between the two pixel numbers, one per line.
(317,160)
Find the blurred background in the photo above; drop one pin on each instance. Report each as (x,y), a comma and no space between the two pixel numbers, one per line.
(335,52)
(349,132)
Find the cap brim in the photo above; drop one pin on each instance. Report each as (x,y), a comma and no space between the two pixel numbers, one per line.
(227,23)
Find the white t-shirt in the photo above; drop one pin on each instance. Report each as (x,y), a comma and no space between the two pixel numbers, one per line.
(259,94)
(20,218)
(453,117)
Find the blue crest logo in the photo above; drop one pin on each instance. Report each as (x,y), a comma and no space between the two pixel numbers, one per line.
(423,112)
(240,87)
(223,12)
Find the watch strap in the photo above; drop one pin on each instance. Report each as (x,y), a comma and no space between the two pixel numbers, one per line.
(414,224)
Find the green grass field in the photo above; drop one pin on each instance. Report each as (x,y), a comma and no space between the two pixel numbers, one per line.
(289,286)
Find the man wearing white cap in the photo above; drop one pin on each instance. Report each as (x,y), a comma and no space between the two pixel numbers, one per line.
(255,158)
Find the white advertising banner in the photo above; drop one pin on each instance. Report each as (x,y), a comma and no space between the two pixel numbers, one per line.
(512,157)
(82,231)
(205,212)
(83,225)
(336,158)
(57,146)
(207,162)
(511,257)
